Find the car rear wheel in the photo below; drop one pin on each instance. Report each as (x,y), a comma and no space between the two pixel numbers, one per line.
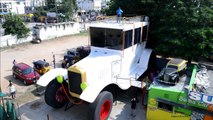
(67,65)
(14,76)
(54,95)
(101,108)
(25,82)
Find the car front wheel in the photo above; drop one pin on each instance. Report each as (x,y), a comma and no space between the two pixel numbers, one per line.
(101,108)
(54,95)
(14,76)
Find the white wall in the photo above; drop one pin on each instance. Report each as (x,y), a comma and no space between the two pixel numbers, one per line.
(9,40)
(59,29)
(45,32)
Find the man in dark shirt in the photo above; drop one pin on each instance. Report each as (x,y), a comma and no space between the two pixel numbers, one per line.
(133,106)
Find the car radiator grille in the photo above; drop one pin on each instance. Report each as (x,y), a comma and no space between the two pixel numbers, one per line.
(166,78)
(74,82)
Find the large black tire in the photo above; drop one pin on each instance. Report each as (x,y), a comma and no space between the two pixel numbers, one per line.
(101,108)
(50,94)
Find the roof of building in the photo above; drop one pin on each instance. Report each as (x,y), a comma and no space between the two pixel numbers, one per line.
(122,26)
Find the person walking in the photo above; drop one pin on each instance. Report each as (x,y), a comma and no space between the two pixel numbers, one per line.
(133,106)
(119,14)
(12,90)
(14,62)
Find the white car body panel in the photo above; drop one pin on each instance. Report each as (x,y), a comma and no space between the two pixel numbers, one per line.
(109,67)
(50,75)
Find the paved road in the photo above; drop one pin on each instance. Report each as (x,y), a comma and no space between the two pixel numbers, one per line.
(38,110)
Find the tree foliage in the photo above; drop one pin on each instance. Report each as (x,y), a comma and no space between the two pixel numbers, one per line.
(178,28)
(14,25)
(66,7)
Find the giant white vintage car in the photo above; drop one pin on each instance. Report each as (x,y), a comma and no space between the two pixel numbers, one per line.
(118,58)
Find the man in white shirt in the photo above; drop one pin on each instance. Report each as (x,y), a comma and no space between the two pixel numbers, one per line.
(12,90)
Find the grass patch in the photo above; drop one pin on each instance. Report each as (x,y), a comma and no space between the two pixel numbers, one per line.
(84,33)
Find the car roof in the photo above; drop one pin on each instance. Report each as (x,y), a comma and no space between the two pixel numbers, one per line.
(40,62)
(175,61)
(22,66)
(72,50)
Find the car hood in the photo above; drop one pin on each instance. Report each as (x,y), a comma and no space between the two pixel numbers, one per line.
(98,64)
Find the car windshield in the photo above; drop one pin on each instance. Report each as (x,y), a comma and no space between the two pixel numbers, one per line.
(170,70)
(46,64)
(27,71)
(71,52)
(172,66)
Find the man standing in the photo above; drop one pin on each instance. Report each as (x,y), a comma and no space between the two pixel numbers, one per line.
(12,90)
(133,107)
(119,14)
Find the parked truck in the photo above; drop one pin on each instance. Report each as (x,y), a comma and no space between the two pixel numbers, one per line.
(118,57)
(52,17)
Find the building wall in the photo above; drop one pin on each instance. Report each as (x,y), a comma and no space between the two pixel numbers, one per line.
(44,32)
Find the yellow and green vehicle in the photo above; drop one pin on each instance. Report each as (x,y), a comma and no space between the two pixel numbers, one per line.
(179,102)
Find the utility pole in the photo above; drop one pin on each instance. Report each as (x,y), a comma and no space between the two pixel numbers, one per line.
(56,6)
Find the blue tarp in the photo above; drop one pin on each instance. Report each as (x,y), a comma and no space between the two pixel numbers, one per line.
(4,13)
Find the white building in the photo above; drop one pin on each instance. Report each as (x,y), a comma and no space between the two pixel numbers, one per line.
(89,5)
(19,6)
(12,6)
(31,4)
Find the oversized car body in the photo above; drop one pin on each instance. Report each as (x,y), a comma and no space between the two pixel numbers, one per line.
(118,58)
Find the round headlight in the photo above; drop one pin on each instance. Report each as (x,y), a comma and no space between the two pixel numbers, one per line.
(83,86)
(60,79)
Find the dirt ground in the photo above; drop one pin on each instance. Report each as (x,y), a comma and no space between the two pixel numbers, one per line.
(32,107)
(29,52)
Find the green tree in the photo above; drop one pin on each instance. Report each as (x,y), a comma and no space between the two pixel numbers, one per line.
(178,28)
(66,7)
(128,6)
(14,25)
(183,28)
(51,5)
(40,11)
